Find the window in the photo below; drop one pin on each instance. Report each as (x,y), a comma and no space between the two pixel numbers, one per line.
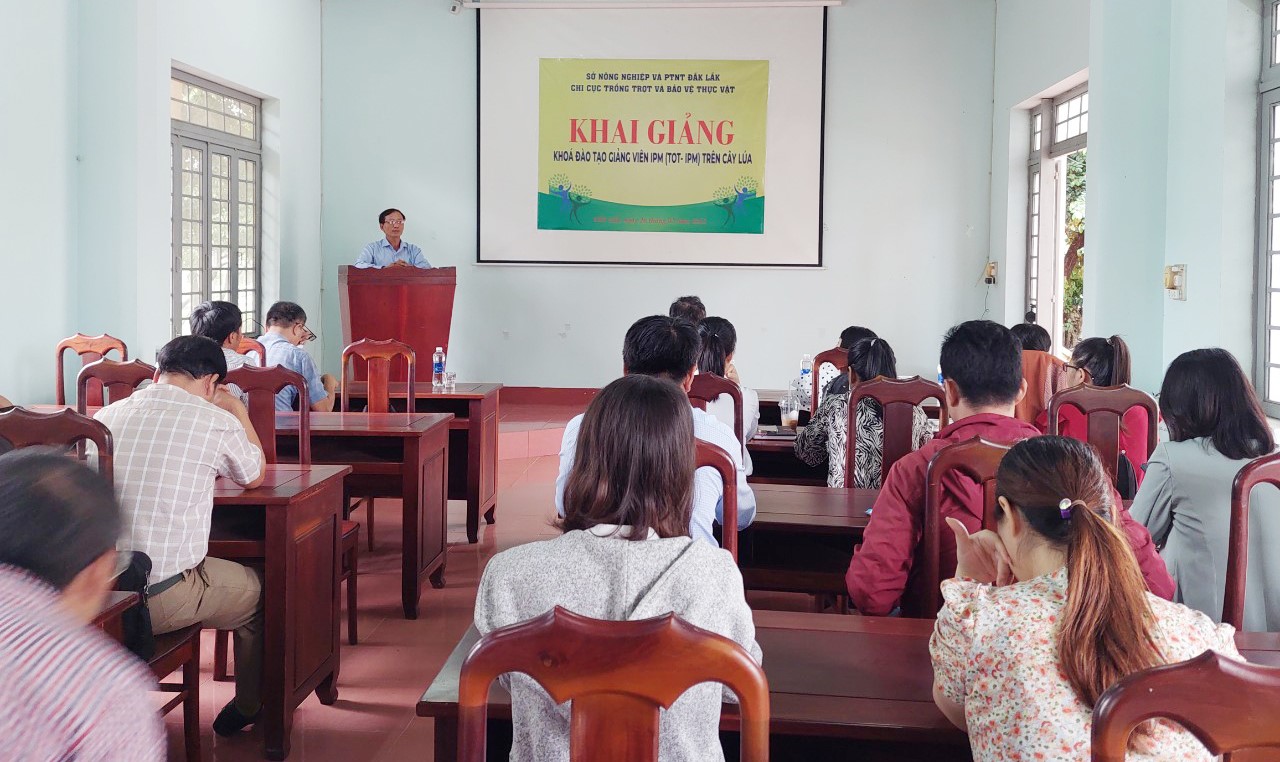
(1059,129)
(217,199)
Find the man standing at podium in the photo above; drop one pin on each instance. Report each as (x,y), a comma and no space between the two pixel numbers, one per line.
(391,251)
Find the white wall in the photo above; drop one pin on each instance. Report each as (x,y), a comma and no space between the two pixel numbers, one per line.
(909,91)
(37,191)
(126,51)
(1042,49)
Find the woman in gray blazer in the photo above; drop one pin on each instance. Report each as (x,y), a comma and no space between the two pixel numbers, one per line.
(625,554)
(1216,426)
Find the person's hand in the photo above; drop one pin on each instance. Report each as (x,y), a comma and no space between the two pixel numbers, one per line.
(731,373)
(400,263)
(330,383)
(223,398)
(982,556)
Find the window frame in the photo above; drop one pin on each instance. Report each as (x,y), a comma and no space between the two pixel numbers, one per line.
(1068,145)
(1267,251)
(237,147)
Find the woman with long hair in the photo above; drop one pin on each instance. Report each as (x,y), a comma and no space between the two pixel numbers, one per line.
(826,437)
(625,554)
(1216,426)
(1050,610)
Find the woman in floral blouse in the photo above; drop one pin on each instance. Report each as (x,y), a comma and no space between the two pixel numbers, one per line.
(1049,611)
(826,436)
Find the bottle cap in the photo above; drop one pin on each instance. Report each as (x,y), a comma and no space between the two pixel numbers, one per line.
(439,349)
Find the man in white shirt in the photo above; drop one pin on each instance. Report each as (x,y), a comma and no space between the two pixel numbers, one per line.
(172,440)
(668,347)
(222,323)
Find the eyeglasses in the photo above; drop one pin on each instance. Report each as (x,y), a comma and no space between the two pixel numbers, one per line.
(308,334)
(394,223)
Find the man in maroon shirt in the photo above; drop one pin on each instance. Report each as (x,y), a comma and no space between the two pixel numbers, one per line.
(982,371)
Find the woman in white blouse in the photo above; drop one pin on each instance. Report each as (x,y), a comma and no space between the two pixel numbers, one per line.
(625,554)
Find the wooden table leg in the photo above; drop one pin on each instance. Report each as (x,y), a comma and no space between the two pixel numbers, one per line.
(446,739)
(411,494)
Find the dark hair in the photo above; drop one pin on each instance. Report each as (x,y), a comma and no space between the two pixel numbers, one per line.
(711,354)
(851,335)
(285,314)
(1107,360)
(216,320)
(1105,628)
(724,329)
(1032,336)
(690,308)
(661,346)
(57,516)
(1206,394)
(984,360)
(382,218)
(869,358)
(634,460)
(194,356)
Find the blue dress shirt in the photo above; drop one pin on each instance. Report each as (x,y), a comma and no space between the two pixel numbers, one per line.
(380,254)
(281,352)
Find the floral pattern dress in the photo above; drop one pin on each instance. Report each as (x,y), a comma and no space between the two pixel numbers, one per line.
(827,436)
(994,652)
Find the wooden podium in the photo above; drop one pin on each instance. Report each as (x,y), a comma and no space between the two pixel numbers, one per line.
(403,303)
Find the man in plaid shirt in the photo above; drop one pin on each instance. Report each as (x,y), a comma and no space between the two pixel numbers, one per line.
(172,440)
(72,692)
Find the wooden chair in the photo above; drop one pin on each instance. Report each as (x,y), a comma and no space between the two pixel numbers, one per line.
(615,701)
(66,428)
(715,457)
(898,400)
(90,349)
(839,357)
(116,380)
(248,345)
(261,385)
(1264,470)
(707,388)
(1103,407)
(1228,705)
(976,459)
(378,356)
(175,650)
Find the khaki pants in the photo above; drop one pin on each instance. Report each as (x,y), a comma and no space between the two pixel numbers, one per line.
(221,595)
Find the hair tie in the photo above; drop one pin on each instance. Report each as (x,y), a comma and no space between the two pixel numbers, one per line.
(1065,507)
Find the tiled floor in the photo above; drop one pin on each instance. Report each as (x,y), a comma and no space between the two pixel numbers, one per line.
(382,677)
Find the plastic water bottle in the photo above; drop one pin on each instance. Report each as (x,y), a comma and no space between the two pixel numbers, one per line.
(939,375)
(437,369)
(806,378)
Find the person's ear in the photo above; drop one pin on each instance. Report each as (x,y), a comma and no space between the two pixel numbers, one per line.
(687,383)
(209,386)
(84,595)
(1022,391)
(952,391)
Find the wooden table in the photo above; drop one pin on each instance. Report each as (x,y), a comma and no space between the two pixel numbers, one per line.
(774,461)
(473,440)
(866,680)
(291,525)
(109,618)
(802,537)
(400,455)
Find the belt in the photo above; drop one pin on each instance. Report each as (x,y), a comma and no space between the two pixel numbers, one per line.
(164,584)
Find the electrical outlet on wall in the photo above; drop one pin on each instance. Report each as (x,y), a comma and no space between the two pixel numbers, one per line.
(1175,282)
(989,274)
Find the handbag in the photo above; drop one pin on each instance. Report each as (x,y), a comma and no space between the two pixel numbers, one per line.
(1126,478)
(136,621)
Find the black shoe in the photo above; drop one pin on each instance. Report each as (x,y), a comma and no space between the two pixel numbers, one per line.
(230,721)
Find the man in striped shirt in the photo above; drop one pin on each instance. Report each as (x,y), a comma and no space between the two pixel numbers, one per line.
(173,439)
(72,692)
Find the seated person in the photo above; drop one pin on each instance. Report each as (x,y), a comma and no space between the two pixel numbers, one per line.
(1216,426)
(825,439)
(689,308)
(286,333)
(173,439)
(668,348)
(1042,371)
(222,323)
(5,404)
(713,358)
(72,692)
(625,554)
(982,372)
(839,382)
(1020,665)
(1102,362)
(390,250)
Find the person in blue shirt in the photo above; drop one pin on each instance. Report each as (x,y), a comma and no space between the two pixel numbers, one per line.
(391,251)
(286,333)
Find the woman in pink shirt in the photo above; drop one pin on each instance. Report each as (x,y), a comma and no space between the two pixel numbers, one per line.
(1102,362)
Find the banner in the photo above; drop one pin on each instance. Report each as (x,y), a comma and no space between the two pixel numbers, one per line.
(652,145)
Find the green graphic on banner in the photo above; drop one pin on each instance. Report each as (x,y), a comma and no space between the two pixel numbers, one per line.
(652,145)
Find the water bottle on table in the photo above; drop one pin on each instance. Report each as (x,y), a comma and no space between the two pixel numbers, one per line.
(437,369)
(806,380)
